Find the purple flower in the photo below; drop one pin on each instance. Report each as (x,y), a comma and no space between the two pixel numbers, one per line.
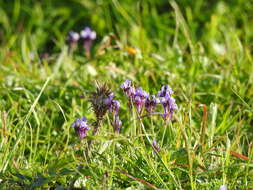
(73,37)
(140,98)
(81,127)
(151,102)
(88,36)
(165,90)
(223,187)
(128,89)
(113,105)
(108,101)
(155,146)
(169,106)
(116,124)
(141,93)
(167,101)
(114,108)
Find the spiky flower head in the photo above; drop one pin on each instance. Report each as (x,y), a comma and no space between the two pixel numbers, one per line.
(81,127)
(100,100)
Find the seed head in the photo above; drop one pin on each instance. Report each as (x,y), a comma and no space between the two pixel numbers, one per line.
(100,100)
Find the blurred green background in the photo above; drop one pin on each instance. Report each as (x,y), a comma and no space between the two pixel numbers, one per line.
(47,22)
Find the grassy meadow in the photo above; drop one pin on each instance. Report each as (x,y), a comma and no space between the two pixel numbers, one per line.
(202,49)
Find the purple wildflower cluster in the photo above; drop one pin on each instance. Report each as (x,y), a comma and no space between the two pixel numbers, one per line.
(167,101)
(141,99)
(87,35)
(128,89)
(81,127)
(113,106)
(103,101)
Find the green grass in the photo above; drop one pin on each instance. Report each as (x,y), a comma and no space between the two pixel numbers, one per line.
(203,50)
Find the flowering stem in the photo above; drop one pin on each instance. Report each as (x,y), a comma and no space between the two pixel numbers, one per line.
(97,124)
(95,131)
(87,47)
(72,48)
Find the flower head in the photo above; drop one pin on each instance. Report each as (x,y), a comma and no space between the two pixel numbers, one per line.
(88,34)
(223,187)
(73,37)
(101,100)
(81,127)
(169,106)
(108,100)
(114,108)
(141,93)
(168,102)
(116,124)
(128,89)
(140,98)
(151,102)
(165,90)
(113,105)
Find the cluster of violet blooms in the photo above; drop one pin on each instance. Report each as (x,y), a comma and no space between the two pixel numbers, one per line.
(86,35)
(140,98)
(109,104)
(113,106)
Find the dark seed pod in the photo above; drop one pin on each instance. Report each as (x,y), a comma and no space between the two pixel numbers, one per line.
(99,99)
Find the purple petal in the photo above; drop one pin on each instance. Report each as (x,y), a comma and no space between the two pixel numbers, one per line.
(223,187)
